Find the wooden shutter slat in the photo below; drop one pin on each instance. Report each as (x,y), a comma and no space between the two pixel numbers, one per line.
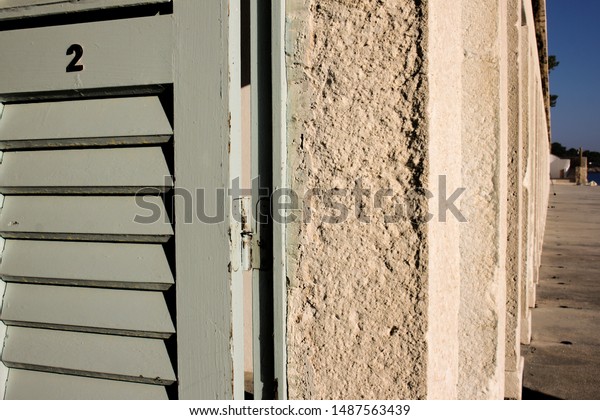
(85,218)
(32,385)
(97,122)
(94,171)
(29,8)
(133,359)
(125,266)
(122,312)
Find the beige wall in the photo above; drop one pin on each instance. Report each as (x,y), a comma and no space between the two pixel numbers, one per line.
(357,319)
(445,108)
(397,94)
(515,223)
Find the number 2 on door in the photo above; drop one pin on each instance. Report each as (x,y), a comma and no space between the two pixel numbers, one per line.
(75,65)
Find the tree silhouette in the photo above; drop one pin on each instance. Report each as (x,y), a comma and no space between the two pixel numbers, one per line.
(552,64)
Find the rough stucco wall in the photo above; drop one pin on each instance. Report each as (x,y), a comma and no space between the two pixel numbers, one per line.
(514,223)
(357,291)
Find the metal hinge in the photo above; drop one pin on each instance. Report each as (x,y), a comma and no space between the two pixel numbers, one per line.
(250,243)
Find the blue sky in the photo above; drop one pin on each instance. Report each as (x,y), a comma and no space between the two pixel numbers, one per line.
(574,37)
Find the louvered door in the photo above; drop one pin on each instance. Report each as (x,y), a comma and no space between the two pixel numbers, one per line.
(103,296)
(86,282)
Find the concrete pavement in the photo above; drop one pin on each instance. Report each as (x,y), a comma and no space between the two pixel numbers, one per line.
(563,360)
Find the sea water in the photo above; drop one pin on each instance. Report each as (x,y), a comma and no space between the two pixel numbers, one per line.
(594,176)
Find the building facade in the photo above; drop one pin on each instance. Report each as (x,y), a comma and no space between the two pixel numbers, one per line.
(387,244)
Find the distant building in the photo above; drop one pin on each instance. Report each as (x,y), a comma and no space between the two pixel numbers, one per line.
(559,167)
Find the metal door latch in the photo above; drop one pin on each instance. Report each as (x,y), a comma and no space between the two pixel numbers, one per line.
(251,231)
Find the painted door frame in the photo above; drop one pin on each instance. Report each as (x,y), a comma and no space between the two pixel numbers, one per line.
(269,174)
(207,125)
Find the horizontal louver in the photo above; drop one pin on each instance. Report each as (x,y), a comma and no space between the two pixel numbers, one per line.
(28,8)
(32,385)
(95,218)
(85,259)
(90,264)
(133,359)
(97,122)
(97,171)
(120,312)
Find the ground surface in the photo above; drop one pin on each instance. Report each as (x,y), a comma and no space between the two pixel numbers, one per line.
(563,360)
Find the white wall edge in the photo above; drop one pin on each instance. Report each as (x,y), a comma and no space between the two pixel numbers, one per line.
(445,55)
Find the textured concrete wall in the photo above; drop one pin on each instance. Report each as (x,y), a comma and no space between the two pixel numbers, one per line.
(513,359)
(358,290)
(397,95)
(531,146)
(536,181)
